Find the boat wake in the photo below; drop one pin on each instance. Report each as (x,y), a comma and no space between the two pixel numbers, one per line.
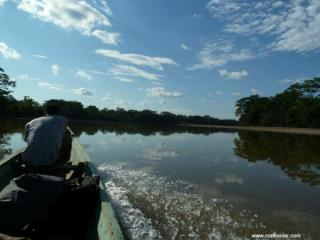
(154,207)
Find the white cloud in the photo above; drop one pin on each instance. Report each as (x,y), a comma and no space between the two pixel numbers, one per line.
(218,53)
(106,37)
(2,2)
(233,75)
(122,103)
(106,97)
(255,91)
(83,74)
(184,47)
(27,77)
(288,80)
(222,8)
(162,92)
(124,70)
(277,4)
(293,26)
(218,92)
(301,29)
(39,56)
(55,69)
(124,79)
(197,16)
(105,8)
(8,52)
(48,85)
(24,77)
(97,72)
(83,92)
(137,59)
(236,94)
(229,179)
(72,14)
(159,154)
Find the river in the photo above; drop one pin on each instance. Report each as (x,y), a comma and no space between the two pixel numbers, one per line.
(168,182)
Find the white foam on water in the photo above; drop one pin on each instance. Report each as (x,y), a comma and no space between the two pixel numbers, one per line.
(136,224)
(154,207)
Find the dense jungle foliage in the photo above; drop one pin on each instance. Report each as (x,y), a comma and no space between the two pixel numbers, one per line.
(297,106)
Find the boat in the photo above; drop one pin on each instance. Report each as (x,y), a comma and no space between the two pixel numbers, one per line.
(103,224)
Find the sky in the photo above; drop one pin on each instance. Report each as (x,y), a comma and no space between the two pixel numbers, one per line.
(183,56)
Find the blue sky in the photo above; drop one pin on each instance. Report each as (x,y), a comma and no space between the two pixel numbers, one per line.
(183,56)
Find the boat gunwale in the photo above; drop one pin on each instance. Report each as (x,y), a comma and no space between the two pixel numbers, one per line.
(11,156)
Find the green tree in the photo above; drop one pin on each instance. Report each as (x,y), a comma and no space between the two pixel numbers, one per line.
(250,110)
(6,100)
(297,106)
(28,107)
(309,88)
(92,112)
(74,109)
(5,83)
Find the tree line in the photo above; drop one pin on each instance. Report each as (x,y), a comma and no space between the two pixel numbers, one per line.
(297,106)
(29,108)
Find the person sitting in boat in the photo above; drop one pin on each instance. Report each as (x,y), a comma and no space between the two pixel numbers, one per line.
(44,137)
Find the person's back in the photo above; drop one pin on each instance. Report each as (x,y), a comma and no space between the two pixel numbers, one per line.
(44,139)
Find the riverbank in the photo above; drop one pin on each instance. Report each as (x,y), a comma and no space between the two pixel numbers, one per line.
(308,131)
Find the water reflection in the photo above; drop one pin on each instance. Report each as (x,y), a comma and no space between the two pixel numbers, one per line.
(297,155)
(144,129)
(4,145)
(7,128)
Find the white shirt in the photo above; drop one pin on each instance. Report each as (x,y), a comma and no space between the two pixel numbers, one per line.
(44,138)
